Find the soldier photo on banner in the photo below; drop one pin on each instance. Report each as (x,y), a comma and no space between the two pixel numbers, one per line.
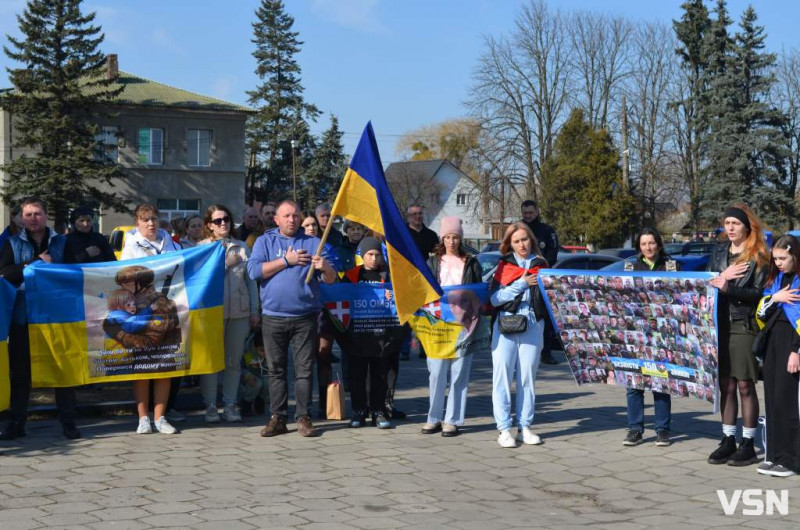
(643,330)
(158,316)
(456,325)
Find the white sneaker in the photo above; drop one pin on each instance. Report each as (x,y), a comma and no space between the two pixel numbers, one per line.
(527,437)
(212,415)
(164,427)
(144,426)
(231,414)
(506,439)
(175,416)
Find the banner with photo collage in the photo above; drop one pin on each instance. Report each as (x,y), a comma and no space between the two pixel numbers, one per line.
(646,330)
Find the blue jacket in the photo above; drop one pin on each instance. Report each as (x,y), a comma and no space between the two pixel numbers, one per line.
(131,323)
(23,253)
(286,294)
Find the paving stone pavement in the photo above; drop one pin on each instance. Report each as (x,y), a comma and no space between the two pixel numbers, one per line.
(228,477)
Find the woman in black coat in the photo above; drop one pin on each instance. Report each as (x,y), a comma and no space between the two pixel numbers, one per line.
(84,245)
(742,260)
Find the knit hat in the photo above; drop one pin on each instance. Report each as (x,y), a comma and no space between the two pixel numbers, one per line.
(451,225)
(80,211)
(367,244)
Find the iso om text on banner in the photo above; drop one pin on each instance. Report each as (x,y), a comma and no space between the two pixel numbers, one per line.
(7,295)
(361,308)
(650,331)
(457,324)
(146,318)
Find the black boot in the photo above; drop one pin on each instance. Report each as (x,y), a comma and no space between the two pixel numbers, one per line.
(745,455)
(13,430)
(70,431)
(726,448)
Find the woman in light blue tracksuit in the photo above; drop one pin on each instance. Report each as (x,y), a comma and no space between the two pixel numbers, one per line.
(513,290)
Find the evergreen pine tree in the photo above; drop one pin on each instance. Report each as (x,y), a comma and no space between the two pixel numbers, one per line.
(279,101)
(744,154)
(582,190)
(327,168)
(54,104)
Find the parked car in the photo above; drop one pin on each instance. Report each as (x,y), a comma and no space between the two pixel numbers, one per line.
(488,262)
(590,262)
(117,238)
(573,249)
(688,263)
(491,246)
(689,249)
(618,252)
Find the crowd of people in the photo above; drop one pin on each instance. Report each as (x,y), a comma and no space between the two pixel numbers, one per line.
(270,308)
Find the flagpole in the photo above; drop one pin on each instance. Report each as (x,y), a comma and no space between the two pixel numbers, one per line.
(320,246)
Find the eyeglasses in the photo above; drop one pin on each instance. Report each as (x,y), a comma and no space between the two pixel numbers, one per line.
(220,220)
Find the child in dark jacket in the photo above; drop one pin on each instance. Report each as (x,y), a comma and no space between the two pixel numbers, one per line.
(369,353)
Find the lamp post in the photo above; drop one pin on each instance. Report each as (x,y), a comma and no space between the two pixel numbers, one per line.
(294,171)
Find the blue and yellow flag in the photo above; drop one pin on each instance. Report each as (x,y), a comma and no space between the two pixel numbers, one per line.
(145,318)
(7,295)
(364,197)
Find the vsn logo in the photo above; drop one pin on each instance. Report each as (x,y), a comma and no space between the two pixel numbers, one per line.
(752,498)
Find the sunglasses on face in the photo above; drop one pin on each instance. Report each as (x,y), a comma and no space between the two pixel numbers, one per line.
(220,220)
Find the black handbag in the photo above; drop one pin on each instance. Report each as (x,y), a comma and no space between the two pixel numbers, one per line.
(759,348)
(511,324)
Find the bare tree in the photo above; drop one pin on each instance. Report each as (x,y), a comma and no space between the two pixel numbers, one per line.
(653,71)
(599,56)
(410,186)
(786,97)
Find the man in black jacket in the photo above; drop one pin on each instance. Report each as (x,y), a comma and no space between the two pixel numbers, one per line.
(424,237)
(548,246)
(84,245)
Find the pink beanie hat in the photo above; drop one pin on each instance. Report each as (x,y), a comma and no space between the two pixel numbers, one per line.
(451,225)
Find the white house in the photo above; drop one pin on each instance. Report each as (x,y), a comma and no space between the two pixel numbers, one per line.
(450,192)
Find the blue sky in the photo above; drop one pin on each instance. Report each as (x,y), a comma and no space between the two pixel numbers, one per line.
(400,63)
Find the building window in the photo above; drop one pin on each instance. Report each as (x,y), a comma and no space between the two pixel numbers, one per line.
(199,147)
(172,208)
(151,146)
(107,144)
(461,199)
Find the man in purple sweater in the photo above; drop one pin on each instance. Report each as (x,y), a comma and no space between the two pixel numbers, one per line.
(290,307)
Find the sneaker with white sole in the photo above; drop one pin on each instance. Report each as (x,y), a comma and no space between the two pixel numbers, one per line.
(164,427)
(212,414)
(778,470)
(144,426)
(526,436)
(506,439)
(175,416)
(231,414)
(764,467)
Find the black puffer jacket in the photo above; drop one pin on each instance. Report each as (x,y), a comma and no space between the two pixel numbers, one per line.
(661,264)
(742,296)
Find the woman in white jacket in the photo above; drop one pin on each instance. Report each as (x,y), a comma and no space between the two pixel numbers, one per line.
(240,312)
(150,240)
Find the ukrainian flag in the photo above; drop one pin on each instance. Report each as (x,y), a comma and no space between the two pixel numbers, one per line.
(146,318)
(7,295)
(364,197)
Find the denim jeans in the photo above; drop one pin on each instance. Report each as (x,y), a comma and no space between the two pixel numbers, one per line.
(515,357)
(662,404)
(458,370)
(236,330)
(279,333)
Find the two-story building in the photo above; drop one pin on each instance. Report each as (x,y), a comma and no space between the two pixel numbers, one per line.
(179,150)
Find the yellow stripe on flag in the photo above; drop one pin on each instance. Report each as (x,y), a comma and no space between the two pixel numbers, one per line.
(438,338)
(204,347)
(408,279)
(358,202)
(5,377)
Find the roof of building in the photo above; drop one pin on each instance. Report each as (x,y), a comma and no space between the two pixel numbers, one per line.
(144,92)
(423,168)
(140,91)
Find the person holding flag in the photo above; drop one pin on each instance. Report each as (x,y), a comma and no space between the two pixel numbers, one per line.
(517,337)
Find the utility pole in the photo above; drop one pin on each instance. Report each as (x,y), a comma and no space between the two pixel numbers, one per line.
(294,172)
